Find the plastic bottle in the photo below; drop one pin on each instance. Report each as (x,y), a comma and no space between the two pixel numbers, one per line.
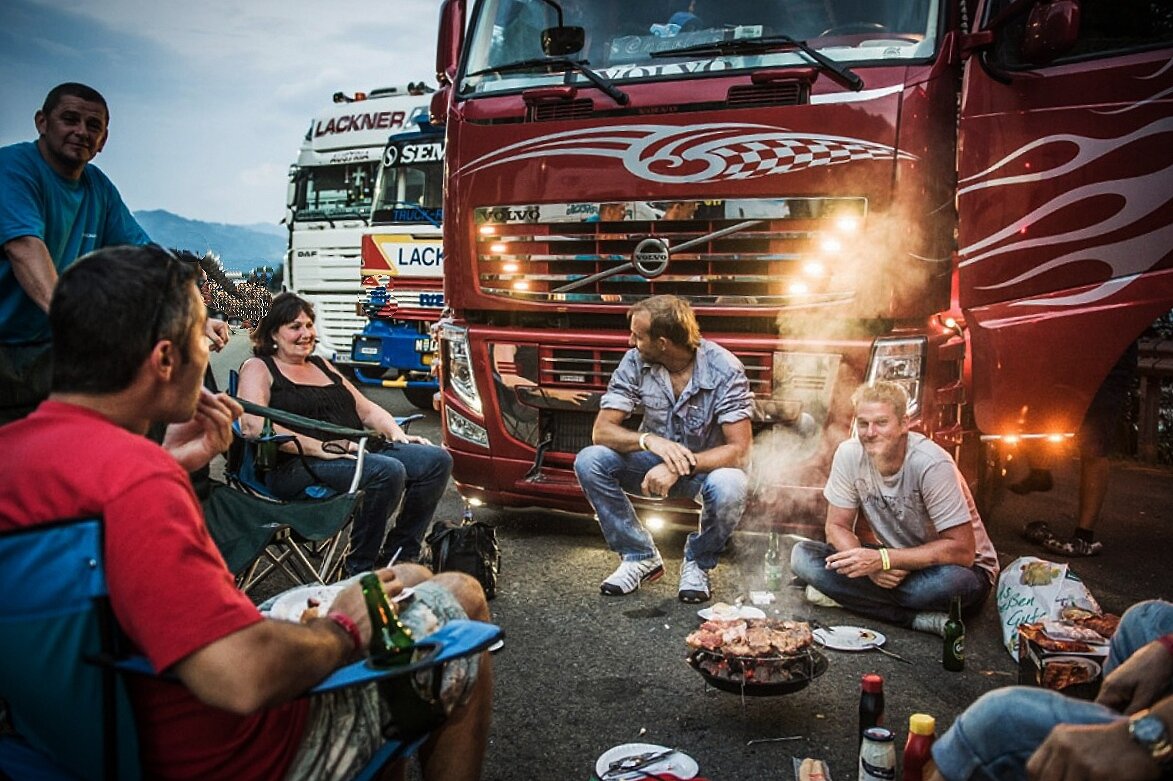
(773,563)
(922,729)
(871,703)
(953,653)
(391,642)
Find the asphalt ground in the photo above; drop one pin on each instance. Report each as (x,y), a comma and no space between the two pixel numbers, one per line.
(581,673)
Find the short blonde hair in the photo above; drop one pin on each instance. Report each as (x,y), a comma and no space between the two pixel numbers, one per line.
(882,392)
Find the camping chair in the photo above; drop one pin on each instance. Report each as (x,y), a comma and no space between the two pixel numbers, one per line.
(60,684)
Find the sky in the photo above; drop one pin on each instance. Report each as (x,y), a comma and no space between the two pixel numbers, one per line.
(209,99)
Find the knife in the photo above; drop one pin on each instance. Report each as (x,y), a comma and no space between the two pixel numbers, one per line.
(636,762)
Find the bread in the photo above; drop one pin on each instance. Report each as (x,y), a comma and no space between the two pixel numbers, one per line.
(812,770)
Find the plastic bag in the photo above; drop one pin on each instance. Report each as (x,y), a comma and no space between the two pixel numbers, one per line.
(1032,590)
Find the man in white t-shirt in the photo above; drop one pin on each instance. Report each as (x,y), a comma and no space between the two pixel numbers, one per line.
(930,544)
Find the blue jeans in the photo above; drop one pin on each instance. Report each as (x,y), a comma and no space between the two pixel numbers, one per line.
(925,589)
(993,739)
(422,469)
(607,476)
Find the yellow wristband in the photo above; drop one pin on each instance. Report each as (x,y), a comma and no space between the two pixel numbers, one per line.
(885,562)
(643,440)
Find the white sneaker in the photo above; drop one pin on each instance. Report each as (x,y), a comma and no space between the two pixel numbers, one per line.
(816,597)
(931,622)
(694,583)
(630,574)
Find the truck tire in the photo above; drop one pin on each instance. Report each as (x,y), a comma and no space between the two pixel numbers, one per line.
(420,398)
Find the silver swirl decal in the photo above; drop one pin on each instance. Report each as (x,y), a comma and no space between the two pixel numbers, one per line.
(696,153)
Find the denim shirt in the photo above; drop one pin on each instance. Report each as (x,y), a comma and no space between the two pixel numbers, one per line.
(717,393)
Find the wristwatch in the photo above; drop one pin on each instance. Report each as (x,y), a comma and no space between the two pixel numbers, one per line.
(1149,731)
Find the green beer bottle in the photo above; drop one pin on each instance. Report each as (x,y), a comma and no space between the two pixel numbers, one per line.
(773,563)
(266,451)
(391,642)
(953,655)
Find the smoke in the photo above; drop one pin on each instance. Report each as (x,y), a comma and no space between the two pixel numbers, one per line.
(895,271)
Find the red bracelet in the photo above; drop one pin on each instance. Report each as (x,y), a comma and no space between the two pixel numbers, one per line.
(1167,641)
(347,623)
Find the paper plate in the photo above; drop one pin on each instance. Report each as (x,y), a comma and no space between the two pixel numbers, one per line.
(289,605)
(849,638)
(678,764)
(723,612)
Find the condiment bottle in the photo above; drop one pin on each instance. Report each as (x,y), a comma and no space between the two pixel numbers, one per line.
(391,642)
(871,703)
(877,755)
(773,563)
(922,730)
(953,655)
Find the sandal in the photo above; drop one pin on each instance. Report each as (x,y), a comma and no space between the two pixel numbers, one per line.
(1037,532)
(1073,547)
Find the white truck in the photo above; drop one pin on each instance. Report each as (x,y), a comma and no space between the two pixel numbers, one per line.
(331,189)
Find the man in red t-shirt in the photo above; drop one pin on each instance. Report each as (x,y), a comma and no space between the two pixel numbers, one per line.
(81,453)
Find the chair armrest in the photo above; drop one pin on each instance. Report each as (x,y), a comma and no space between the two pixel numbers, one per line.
(406,421)
(309,426)
(454,640)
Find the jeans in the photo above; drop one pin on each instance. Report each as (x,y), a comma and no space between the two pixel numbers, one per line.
(607,477)
(922,590)
(993,739)
(422,469)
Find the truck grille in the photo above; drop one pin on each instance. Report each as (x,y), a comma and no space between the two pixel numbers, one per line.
(756,253)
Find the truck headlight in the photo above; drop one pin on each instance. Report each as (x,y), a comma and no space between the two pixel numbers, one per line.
(900,361)
(458,363)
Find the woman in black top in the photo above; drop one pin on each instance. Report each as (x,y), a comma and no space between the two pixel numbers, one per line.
(287,375)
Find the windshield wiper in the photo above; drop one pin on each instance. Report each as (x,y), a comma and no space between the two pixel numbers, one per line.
(563,63)
(839,73)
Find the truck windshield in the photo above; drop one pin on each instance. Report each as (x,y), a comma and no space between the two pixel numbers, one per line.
(628,41)
(411,183)
(334,192)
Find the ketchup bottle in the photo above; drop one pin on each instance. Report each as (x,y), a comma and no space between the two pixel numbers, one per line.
(871,703)
(918,750)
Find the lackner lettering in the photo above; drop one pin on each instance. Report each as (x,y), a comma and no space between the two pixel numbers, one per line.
(421,256)
(381,120)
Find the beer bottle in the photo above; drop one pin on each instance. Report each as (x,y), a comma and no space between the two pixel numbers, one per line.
(266,451)
(773,563)
(391,642)
(871,703)
(953,655)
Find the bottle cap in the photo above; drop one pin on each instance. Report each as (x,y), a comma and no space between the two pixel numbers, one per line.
(878,734)
(922,724)
(872,683)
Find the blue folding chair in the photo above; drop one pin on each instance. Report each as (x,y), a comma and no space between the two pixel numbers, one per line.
(61,681)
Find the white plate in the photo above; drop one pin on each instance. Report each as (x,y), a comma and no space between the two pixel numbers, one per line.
(849,638)
(730,612)
(678,764)
(289,605)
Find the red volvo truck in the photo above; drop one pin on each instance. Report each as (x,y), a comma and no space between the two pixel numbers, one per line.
(970,199)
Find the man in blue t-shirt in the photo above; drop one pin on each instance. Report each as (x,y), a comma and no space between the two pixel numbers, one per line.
(54,208)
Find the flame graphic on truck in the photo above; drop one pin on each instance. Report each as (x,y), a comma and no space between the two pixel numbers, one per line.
(714,152)
(1126,258)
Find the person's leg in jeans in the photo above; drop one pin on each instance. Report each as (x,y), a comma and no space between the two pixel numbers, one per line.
(996,735)
(428,468)
(1140,625)
(605,475)
(383,480)
(923,590)
(723,494)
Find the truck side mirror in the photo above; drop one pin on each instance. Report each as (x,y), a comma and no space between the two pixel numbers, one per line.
(1052,28)
(561,41)
(449,40)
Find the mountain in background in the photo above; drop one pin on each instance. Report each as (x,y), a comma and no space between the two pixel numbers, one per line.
(240,247)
